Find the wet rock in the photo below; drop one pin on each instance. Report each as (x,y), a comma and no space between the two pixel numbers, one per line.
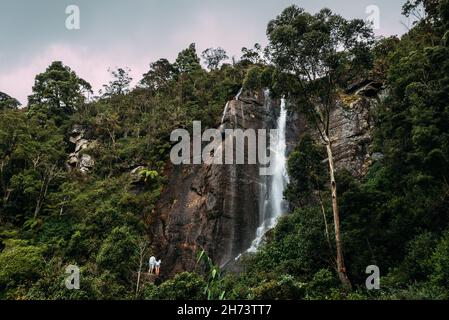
(214,207)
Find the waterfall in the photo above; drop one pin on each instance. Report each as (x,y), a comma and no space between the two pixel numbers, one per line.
(239,94)
(227,105)
(271,195)
(224,112)
(271,203)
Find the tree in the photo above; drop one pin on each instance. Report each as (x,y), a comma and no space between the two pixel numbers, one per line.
(183,286)
(109,122)
(252,79)
(161,73)
(13,133)
(188,60)
(316,49)
(120,83)
(254,55)
(20,264)
(7,102)
(59,89)
(305,169)
(117,252)
(422,10)
(142,251)
(214,57)
(39,148)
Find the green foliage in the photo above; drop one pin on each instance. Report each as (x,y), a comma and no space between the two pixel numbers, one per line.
(115,252)
(298,246)
(160,75)
(148,175)
(396,216)
(252,79)
(283,288)
(7,102)
(440,263)
(252,56)
(214,57)
(307,172)
(58,89)
(184,286)
(212,289)
(318,287)
(20,265)
(188,60)
(327,49)
(120,83)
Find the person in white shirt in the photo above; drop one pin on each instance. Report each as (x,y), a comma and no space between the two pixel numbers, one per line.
(152,264)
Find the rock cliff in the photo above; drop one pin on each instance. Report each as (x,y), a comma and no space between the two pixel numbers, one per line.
(212,206)
(216,207)
(352,123)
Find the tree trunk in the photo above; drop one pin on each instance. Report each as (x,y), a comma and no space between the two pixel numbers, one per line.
(326,228)
(138,283)
(40,199)
(341,270)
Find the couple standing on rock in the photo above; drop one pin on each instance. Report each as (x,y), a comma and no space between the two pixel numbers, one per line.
(155,266)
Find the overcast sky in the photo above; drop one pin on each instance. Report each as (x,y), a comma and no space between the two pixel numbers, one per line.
(134,33)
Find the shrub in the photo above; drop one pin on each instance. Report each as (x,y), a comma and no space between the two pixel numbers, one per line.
(184,286)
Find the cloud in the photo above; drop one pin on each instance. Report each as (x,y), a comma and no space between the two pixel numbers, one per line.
(117,34)
(91,65)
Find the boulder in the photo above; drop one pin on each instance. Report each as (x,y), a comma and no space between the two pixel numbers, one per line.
(78,159)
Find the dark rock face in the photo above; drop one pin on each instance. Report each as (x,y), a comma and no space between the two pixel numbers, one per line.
(212,206)
(351,135)
(216,206)
(351,129)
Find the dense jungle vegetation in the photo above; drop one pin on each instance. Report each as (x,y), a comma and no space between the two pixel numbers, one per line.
(395,217)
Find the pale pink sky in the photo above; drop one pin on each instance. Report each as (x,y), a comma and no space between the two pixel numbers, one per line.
(134,33)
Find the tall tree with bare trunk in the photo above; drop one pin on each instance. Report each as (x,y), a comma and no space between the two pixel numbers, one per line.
(313,53)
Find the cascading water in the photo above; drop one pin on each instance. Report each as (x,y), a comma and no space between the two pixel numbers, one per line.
(224,112)
(271,199)
(227,105)
(272,204)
